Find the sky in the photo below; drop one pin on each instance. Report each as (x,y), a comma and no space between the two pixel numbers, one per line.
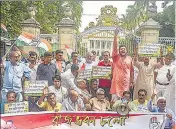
(91,9)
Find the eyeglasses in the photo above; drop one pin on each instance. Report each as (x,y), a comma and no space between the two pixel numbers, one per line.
(162,102)
(141,95)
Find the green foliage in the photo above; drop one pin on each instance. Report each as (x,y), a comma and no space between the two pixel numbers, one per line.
(137,13)
(167,21)
(48,14)
(12,14)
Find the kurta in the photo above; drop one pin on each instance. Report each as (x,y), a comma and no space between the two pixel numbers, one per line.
(161,78)
(122,71)
(145,79)
(170,94)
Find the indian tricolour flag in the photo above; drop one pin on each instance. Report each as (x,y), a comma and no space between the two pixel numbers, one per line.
(31,40)
(69,51)
(26,38)
(45,45)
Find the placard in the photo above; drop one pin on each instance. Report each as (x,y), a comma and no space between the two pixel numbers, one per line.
(18,107)
(101,72)
(150,49)
(85,74)
(35,88)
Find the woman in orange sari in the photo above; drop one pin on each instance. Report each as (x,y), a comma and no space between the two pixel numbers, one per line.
(122,70)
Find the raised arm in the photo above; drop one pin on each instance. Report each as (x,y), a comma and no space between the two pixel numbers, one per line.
(132,75)
(150,105)
(115,44)
(161,63)
(135,60)
(40,102)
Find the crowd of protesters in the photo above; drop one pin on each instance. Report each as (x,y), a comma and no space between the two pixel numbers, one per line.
(141,85)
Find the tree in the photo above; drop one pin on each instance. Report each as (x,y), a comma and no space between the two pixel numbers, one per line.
(48,14)
(167,21)
(12,14)
(135,14)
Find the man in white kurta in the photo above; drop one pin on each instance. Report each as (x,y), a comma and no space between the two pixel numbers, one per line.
(170,94)
(145,79)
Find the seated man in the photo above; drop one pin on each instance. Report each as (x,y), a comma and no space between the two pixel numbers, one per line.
(93,87)
(50,104)
(57,89)
(83,87)
(141,102)
(98,103)
(125,100)
(73,102)
(161,107)
(11,98)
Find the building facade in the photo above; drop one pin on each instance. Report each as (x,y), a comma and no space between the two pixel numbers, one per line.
(100,36)
(99,39)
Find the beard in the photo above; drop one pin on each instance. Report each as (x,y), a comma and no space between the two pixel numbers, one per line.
(123,53)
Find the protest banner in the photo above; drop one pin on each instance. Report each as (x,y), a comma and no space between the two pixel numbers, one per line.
(34,88)
(86,120)
(85,74)
(149,49)
(101,72)
(17,107)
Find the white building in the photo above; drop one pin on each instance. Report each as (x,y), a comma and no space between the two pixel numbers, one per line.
(99,39)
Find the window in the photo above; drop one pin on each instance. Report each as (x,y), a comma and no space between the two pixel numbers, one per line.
(109,44)
(103,44)
(97,45)
(91,43)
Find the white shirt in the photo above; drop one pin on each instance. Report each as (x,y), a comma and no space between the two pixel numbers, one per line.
(70,64)
(60,93)
(68,81)
(174,62)
(89,65)
(162,72)
(68,105)
(33,73)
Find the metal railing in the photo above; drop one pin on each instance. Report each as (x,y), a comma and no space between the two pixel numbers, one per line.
(164,41)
